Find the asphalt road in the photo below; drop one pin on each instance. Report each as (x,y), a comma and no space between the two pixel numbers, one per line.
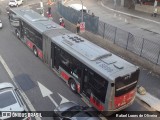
(28,70)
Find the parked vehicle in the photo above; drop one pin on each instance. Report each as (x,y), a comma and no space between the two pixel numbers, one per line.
(105,80)
(78,7)
(15,3)
(1,24)
(11,101)
(73,111)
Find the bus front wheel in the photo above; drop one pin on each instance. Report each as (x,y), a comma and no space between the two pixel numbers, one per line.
(35,51)
(73,85)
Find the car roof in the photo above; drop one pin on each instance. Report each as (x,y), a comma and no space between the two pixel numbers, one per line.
(87,114)
(9,101)
(77,6)
(6,85)
(66,106)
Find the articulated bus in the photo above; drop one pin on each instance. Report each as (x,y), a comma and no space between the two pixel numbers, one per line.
(105,80)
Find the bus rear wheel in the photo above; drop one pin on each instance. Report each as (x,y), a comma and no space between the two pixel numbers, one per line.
(73,85)
(35,51)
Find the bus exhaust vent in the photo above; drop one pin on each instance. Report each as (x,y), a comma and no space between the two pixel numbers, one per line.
(50,26)
(76,39)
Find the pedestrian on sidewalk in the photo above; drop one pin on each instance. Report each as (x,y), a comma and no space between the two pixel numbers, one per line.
(62,23)
(49,12)
(155,12)
(140,2)
(60,20)
(78,27)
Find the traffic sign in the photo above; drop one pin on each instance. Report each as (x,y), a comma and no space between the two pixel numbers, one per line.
(82,27)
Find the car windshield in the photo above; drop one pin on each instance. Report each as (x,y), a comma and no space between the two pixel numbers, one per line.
(12,0)
(7,99)
(72,111)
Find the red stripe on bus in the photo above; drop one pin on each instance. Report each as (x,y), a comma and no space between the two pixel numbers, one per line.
(40,54)
(97,104)
(64,75)
(29,44)
(124,99)
(78,88)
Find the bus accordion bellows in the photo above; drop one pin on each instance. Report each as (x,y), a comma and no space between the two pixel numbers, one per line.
(105,80)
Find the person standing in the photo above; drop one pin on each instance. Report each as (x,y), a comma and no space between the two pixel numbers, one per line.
(62,23)
(78,27)
(155,12)
(60,20)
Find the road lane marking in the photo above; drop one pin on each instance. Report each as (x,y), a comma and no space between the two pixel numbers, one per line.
(46,93)
(29,104)
(64,100)
(53,101)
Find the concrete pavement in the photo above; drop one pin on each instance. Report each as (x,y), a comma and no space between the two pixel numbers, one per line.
(135,17)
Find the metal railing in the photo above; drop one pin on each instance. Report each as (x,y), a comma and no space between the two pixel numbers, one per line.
(143,47)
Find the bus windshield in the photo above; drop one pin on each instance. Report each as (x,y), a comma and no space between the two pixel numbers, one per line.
(126,84)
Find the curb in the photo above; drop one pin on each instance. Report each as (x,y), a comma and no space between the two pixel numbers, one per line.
(130,15)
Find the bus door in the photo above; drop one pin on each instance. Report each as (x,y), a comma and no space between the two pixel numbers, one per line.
(56,57)
(85,84)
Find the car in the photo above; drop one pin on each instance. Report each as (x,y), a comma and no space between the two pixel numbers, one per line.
(11,101)
(1,24)
(15,3)
(78,7)
(72,111)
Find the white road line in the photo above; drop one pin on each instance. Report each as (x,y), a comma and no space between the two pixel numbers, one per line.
(130,14)
(22,93)
(53,101)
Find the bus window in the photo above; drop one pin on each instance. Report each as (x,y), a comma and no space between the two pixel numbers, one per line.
(98,86)
(70,65)
(126,84)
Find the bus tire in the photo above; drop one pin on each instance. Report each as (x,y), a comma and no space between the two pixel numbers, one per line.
(35,51)
(73,85)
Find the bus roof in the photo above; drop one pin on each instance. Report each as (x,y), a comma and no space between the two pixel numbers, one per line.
(34,19)
(98,59)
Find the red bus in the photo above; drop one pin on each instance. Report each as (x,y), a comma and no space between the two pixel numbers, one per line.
(105,80)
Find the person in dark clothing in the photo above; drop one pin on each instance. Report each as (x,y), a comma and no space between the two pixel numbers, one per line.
(62,23)
(78,27)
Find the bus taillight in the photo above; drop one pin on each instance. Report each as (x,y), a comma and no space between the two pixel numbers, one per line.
(124,99)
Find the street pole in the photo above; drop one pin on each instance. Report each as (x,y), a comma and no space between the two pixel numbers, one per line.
(82,9)
(115,4)
(42,8)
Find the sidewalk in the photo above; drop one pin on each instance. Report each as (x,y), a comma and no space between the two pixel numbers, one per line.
(139,20)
